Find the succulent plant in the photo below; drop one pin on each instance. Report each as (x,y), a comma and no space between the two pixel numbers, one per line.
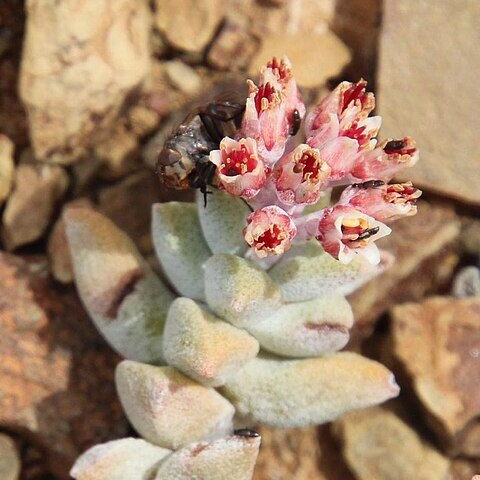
(235,330)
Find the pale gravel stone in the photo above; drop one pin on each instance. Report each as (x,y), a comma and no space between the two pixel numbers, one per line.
(416,90)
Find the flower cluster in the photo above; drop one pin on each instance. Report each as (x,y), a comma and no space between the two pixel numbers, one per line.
(278,177)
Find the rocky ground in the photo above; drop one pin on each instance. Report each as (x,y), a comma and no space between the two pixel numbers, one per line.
(88,91)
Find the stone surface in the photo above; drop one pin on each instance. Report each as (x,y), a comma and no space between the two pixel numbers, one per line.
(299,454)
(56,376)
(30,207)
(437,341)
(183,77)
(9,459)
(185,31)
(233,47)
(377,445)
(311,69)
(425,260)
(7,167)
(58,250)
(84,59)
(409,84)
(13,122)
(118,154)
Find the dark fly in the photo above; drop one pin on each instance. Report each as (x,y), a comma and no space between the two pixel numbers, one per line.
(184,160)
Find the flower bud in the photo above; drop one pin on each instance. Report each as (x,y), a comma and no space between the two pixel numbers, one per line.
(300,176)
(239,170)
(282,69)
(270,231)
(385,203)
(385,161)
(345,232)
(265,117)
(344,113)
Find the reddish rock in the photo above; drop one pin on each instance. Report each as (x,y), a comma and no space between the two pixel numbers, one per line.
(438,343)
(56,374)
(425,260)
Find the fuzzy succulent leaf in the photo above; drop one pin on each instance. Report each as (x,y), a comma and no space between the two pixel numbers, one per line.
(125,299)
(180,246)
(307,272)
(204,347)
(299,393)
(239,291)
(127,458)
(169,409)
(306,329)
(230,458)
(223,220)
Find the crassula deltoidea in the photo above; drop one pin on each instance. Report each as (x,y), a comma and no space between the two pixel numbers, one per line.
(246,323)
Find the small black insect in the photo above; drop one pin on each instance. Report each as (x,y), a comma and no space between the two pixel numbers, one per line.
(394,145)
(184,160)
(296,123)
(368,233)
(369,184)
(246,432)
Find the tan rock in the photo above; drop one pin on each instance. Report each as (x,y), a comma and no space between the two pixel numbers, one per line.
(56,376)
(183,77)
(185,30)
(300,454)
(57,247)
(7,167)
(421,265)
(234,46)
(469,442)
(9,459)
(30,206)
(119,153)
(377,445)
(437,341)
(80,62)
(314,57)
(411,100)
(470,236)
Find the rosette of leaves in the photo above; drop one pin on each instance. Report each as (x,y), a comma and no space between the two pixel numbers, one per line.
(215,342)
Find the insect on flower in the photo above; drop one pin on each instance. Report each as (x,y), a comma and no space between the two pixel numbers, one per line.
(184,160)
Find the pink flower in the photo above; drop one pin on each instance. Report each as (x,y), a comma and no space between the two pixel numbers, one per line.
(344,113)
(265,118)
(283,72)
(386,160)
(239,170)
(269,231)
(385,203)
(345,232)
(300,176)
(340,127)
